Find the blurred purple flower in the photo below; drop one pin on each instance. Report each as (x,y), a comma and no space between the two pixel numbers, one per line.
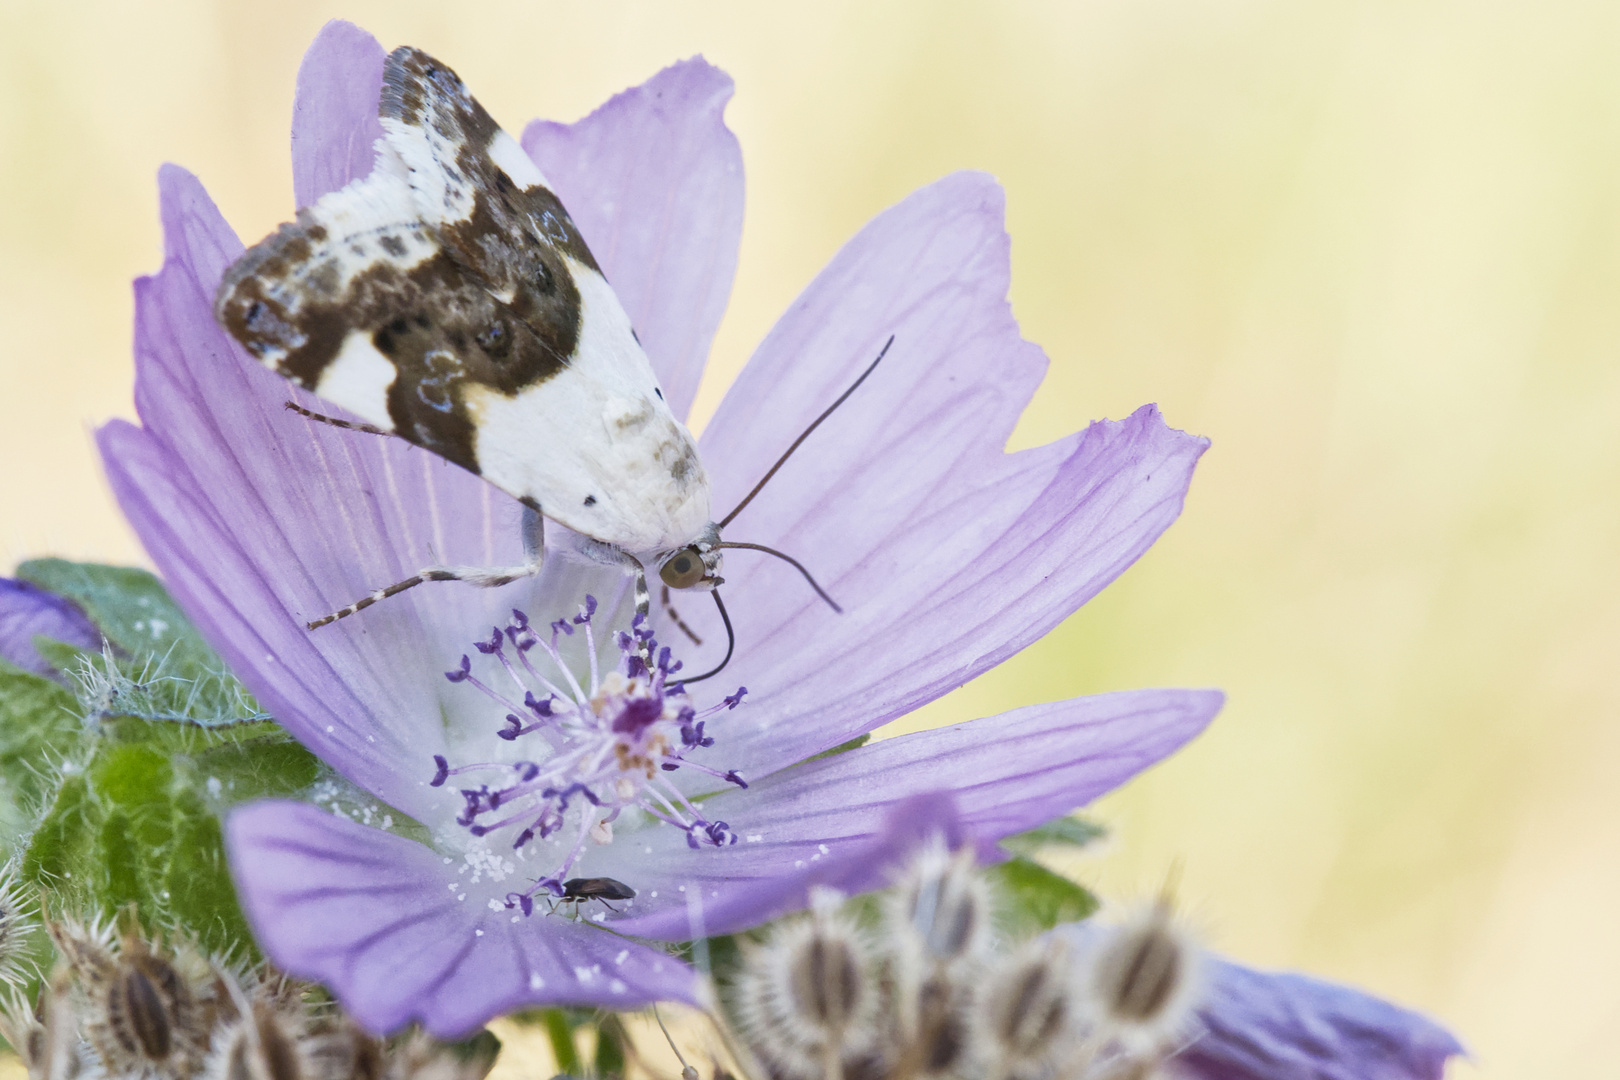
(1257,1025)
(950,556)
(27,612)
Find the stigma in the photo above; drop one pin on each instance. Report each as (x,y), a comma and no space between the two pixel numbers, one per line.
(599,747)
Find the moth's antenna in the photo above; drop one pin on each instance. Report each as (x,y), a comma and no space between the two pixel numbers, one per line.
(731,641)
(787,559)
(805,435)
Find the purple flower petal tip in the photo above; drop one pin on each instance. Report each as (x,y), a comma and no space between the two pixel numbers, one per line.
(654,180)
(27,612)
(335,125)
(389,926)
(1277,1026)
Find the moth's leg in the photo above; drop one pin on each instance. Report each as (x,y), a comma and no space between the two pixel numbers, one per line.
(674,617)
(487,577)
(346,425)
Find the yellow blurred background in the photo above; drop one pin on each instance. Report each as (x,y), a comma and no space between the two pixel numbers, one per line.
(1371,249)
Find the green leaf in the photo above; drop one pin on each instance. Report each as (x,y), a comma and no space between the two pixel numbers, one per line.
(129,606)
(561,1034)
(39,727)
(60,853)
(1034,899)
(159,669)
(1059,832)
(610,1042)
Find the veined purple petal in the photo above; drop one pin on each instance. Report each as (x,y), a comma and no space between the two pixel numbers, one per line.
(376,917)
(1278,1026)
(27,612)
(1260,1025)
(654,181)
(1006,773)
(335,122)
(948,554)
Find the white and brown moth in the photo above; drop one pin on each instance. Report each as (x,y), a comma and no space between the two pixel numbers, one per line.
(448,299)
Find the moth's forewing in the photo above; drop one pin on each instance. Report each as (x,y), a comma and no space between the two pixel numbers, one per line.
(448,297)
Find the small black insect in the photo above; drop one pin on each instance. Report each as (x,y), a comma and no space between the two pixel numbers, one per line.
(580,889)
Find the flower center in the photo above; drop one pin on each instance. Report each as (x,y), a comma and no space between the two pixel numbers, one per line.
(598,750)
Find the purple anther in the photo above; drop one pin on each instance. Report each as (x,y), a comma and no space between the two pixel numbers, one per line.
(441,773)
(474,805)
(477,830)
(513,728)
(551,885)
(493,645)
(733,700)
(720,834)
(535,705)
(562,626)
(585,614)
(670,766)
(638,715)
(735,779)
(519,619)
(522,900)
(522,838)
(466,670)
(527,770)
(691,840)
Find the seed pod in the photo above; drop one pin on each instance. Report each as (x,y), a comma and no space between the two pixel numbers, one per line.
(1145,980)
(17,928)
(1027,1017)
(807,999)
(940,906)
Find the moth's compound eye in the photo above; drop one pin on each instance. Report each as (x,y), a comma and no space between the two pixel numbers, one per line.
(683,569)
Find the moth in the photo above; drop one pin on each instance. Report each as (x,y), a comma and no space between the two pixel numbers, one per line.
(447,298)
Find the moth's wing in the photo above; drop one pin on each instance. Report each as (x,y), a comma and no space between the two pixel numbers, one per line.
(359,302)
(495,216)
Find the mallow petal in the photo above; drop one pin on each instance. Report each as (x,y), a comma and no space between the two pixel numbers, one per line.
(27,612)
(654,181)
(335,124)
(260,520)
(948,554)
(1278,1026)
(1006,774)
(376,918)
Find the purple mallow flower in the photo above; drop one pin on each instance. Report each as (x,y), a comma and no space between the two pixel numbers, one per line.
(947,554)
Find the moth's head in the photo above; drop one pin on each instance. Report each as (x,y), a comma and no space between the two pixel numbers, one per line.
(696,566)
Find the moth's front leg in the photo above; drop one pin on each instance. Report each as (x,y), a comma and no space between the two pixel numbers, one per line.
(487,577)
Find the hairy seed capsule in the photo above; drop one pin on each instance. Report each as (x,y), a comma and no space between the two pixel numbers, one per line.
(1145,979)
(941,905)
(1027,1011)
(826,982)
(806,999)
